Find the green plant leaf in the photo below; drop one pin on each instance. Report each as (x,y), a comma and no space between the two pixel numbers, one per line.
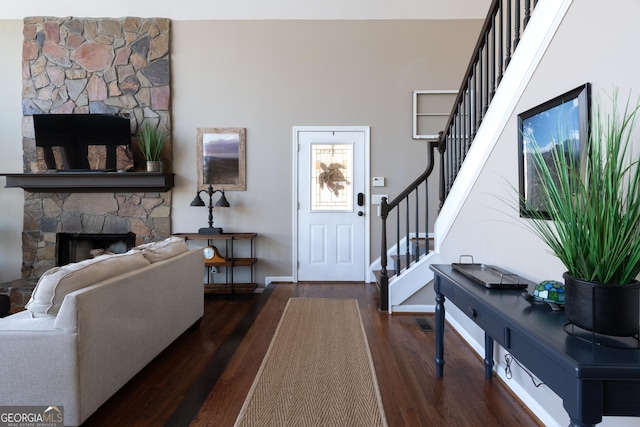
(594,211)
(151,141)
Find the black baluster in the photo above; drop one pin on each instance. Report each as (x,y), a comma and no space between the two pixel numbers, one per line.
(508,35)
(516,20)
(500,42)
(397,260)
(416,247)
(492,91)
(485,83)
(407,245)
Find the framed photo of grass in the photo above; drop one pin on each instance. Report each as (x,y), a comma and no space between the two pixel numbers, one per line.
(221,158)
(560,126)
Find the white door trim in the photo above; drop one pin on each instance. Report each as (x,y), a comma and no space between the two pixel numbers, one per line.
(367,191)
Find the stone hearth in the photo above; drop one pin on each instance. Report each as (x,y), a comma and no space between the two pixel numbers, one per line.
(19,292)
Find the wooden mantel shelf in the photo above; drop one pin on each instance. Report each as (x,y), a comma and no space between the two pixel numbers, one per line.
(90,182)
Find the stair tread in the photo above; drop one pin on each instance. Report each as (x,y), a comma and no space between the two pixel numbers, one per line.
(403,258)
(422,242)
(377,274)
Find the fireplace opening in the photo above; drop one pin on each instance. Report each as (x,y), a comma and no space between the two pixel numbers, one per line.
(74,247)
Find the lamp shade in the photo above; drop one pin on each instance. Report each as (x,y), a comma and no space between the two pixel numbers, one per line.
(197,201)
(222,201)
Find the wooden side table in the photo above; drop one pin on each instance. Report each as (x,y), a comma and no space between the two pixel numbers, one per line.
(227,260)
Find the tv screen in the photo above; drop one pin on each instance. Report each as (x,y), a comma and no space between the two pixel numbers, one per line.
(67,139)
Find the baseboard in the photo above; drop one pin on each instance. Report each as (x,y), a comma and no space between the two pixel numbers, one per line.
(414,308)
(277,279)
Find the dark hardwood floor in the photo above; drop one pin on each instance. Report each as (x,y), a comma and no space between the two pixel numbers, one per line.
(203,378)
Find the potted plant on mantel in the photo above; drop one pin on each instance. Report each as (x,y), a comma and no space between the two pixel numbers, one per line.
(594,230)
(151,140)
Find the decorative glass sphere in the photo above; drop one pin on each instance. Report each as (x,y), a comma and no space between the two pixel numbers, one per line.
(549,291)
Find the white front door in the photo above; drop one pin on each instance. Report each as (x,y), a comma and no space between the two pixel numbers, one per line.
(332,204)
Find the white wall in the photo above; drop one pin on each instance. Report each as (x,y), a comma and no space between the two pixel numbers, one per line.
(268,76)
(595,43)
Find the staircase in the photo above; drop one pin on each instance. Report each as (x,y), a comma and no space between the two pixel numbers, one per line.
(402,268)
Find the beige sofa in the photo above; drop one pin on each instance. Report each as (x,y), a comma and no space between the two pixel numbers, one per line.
(91,326)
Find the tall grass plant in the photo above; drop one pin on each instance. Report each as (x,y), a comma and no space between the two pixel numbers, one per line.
(151,140)
(594,206)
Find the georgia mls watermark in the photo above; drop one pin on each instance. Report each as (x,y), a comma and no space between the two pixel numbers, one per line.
(31,416)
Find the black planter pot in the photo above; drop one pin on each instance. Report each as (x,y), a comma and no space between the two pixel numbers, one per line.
(603,309)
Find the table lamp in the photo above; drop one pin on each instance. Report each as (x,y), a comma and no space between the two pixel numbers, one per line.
(222,202)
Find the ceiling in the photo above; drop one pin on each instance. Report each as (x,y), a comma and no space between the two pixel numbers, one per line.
(253,9)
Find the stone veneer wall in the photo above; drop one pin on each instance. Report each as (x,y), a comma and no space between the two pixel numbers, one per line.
(93,65)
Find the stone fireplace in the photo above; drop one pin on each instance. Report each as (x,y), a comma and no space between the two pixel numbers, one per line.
(147,215)
(93,66)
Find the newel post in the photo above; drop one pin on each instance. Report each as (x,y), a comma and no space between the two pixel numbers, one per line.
(384,276)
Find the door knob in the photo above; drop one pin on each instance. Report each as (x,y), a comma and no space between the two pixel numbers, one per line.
(360,213)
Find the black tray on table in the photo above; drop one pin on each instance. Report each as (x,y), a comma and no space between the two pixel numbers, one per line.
(489,276)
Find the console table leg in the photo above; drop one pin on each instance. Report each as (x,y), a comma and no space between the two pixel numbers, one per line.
(439,334)
(488,356)
(575,423)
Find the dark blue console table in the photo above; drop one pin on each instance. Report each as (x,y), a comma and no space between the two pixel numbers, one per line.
(592,379)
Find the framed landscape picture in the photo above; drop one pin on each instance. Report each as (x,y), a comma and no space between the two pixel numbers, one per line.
(221,158)
(560,126)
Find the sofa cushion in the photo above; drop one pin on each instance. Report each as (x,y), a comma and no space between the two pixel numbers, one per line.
(22,321)
(164,249)
(57,282)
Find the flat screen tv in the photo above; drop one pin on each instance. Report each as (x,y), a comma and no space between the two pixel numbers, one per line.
(562,123)
(75,142)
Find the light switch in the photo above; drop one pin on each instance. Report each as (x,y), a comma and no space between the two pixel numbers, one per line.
(378,181)
(376,199)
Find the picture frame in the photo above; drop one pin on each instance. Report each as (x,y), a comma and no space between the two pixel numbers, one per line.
(560,122)
(221,158)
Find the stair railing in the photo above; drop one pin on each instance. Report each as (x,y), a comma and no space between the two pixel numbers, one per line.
(498,39)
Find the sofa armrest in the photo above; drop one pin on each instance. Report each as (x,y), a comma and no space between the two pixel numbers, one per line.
(39,368)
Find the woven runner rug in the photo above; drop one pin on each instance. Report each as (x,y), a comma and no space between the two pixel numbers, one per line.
(318,370)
